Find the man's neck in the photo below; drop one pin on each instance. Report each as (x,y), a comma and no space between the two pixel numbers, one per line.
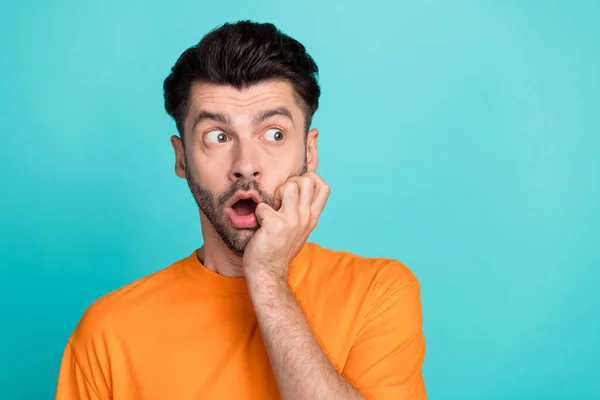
(220,261)
(215,255)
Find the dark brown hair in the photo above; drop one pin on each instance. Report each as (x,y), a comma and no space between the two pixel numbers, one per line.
(241,54)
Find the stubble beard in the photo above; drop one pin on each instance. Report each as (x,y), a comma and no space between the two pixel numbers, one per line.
(213,207)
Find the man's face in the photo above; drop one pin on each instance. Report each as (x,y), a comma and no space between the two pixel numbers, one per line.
(240,146)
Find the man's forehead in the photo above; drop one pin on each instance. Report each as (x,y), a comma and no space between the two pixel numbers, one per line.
(255,97)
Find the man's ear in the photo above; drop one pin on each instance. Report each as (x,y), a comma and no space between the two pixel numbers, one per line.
(312,154)
(177,144)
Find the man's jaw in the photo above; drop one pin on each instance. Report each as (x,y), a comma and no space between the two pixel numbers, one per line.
(216,237)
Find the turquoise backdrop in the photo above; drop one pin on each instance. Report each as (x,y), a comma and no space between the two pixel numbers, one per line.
(462,138)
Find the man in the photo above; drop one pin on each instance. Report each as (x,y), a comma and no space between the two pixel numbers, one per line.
(256,312)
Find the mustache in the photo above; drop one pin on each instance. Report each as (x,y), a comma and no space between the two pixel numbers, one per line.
(248,184)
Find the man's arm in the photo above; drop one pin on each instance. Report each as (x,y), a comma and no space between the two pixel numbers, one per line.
(385,360)
(301,368)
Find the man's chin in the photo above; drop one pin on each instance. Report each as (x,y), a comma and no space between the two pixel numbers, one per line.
(244,236)
(238,244)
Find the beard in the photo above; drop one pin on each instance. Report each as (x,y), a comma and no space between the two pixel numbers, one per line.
(213,207)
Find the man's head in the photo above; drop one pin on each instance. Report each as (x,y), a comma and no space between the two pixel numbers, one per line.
(243,100)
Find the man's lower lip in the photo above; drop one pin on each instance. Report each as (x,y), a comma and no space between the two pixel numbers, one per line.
(241,221)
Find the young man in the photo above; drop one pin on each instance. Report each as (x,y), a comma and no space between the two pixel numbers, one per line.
(256,312)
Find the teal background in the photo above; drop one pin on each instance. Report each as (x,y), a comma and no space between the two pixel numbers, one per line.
(462,138)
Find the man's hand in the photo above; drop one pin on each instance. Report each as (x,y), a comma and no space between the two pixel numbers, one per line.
(285,228)
(301,368)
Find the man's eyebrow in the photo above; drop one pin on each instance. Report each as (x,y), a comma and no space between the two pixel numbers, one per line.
(258,119)
(263,116)
(209,116)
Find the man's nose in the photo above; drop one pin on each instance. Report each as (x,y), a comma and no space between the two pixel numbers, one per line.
(246,164)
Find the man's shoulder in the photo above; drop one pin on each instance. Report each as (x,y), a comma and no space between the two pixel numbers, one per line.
(343,265)
(122,304)
(343,292)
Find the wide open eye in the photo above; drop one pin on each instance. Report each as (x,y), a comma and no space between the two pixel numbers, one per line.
(216,136)
(274,135)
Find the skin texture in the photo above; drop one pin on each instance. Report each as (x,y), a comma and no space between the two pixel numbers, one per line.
(301,368)
(229,149)
(248,158)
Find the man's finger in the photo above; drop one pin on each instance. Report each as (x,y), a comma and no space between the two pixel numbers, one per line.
(307,192)
(316,178)
(264,214)
(320,197)
(277,199)
(289,201)
(306,186)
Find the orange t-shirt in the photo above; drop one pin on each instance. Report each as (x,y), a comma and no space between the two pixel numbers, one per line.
(187,333)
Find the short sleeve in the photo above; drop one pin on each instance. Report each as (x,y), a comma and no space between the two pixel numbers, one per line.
(385,361)
(73,384)
(85,372)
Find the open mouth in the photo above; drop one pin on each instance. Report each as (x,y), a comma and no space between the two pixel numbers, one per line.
(241,212)
(244,207)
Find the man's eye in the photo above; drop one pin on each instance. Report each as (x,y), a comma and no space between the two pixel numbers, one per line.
(275,135)
(216,137)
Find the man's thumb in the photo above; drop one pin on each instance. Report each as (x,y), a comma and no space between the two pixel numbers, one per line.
(263,212)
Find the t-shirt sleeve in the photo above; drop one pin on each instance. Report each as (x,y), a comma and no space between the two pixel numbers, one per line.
(385,361)
(73,382)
